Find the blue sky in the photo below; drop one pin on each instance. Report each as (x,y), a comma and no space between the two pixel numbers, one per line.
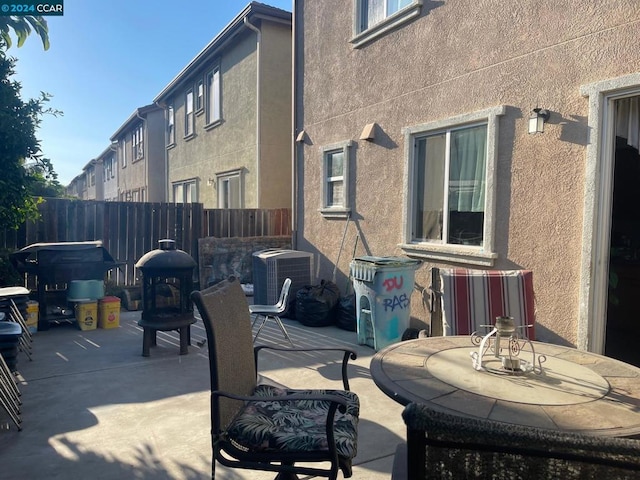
(108,58)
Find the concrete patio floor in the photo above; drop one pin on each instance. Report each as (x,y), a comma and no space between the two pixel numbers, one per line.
(93,407)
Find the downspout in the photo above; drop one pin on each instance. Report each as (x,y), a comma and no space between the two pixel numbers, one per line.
(165,151)
(251,26)
(294,124)
(146,160)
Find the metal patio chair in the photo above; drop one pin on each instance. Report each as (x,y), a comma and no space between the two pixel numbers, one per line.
(273,311)
(262,427)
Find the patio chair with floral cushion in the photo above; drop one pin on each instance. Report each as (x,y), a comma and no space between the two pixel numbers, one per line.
(440,445)
(263,427)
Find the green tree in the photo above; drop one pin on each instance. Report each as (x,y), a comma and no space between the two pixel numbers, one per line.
(19,148)
(22,26)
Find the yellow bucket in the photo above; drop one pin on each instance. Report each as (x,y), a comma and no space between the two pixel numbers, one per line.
(87,314)
(32,316)
(109,312)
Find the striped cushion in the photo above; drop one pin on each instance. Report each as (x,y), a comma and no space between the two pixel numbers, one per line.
(472,298)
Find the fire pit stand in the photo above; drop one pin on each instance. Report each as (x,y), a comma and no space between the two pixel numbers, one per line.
(167,281)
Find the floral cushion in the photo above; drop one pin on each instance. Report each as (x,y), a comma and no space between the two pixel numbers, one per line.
(294,426)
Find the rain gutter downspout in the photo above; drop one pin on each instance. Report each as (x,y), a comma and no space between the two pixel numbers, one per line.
(165,116)
(146,160)
(251,26)
(294,126)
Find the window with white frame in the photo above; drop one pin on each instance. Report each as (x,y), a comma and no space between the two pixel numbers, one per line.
(213,110)
(171,126)
(123,151)
(229,185)
(185,192)
(199,95)
(450,174)
(376,17)
(335,179)
(188,114)
(92,176)
(108,170)
(137,142)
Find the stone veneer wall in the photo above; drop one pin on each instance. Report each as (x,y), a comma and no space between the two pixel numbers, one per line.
(221,257)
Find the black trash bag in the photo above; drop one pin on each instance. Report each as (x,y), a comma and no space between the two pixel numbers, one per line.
(346,313)
(316,305)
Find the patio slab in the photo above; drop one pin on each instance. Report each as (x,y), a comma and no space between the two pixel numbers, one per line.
(93,407)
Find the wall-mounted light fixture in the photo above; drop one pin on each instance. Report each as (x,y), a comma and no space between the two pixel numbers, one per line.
(537,120)
(369,132)
(211,182)
(302,137)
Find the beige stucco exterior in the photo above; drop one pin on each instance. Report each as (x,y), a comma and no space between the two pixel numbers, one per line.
(454,59)
(141,178)
(253,136)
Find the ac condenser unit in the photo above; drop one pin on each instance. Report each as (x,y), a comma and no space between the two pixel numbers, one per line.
(270,269)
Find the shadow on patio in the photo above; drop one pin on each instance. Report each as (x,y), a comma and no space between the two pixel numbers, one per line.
(93,407)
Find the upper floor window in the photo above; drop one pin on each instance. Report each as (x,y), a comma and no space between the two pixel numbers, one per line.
(199,95)
(137,142)
(229,186)
(123,151)
(108,170)
(213,96)
(451,178)
(185,192)
(171,126)
(92,176)
(335,179)
(188,114)
(376,17)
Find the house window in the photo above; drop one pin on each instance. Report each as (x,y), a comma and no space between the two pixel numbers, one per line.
(185,192)
(123,150)
(335,179)
(229,186)
(188,114)
(171,126)
(108,171)
(450,174)
(92,176)
(376,17)
(137,143)
(213,96)
(199,96)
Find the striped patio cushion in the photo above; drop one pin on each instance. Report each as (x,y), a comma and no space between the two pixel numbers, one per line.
(472,298)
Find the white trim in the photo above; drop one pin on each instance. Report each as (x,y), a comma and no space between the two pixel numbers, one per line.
(598,190)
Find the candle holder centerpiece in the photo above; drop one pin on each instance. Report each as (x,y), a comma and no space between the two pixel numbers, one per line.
(494,356)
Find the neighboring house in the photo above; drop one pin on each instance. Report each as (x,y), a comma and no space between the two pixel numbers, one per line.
(412,120)
(92,181)
(139,146)
(228,116)
(76,186)
(107,160)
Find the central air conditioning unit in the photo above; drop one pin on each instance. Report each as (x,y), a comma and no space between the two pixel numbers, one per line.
(270,269)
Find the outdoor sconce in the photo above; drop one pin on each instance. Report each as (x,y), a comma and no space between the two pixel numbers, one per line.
(211,182)
(302,137)
(369,132)
(538,119)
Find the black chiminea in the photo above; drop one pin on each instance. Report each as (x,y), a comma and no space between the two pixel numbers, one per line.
(167,281)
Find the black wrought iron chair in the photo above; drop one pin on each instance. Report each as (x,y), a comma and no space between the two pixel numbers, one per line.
(262,427)
(441,446)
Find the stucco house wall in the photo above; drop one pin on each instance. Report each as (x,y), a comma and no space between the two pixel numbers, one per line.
(253,136)
(451,60)
(141,178)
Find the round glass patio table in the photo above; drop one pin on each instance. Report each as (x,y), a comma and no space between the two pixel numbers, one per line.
(577,390)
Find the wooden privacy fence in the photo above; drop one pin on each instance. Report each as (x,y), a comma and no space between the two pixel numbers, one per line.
(129,230)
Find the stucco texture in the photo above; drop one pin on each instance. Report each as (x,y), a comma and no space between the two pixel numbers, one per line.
(456,58)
